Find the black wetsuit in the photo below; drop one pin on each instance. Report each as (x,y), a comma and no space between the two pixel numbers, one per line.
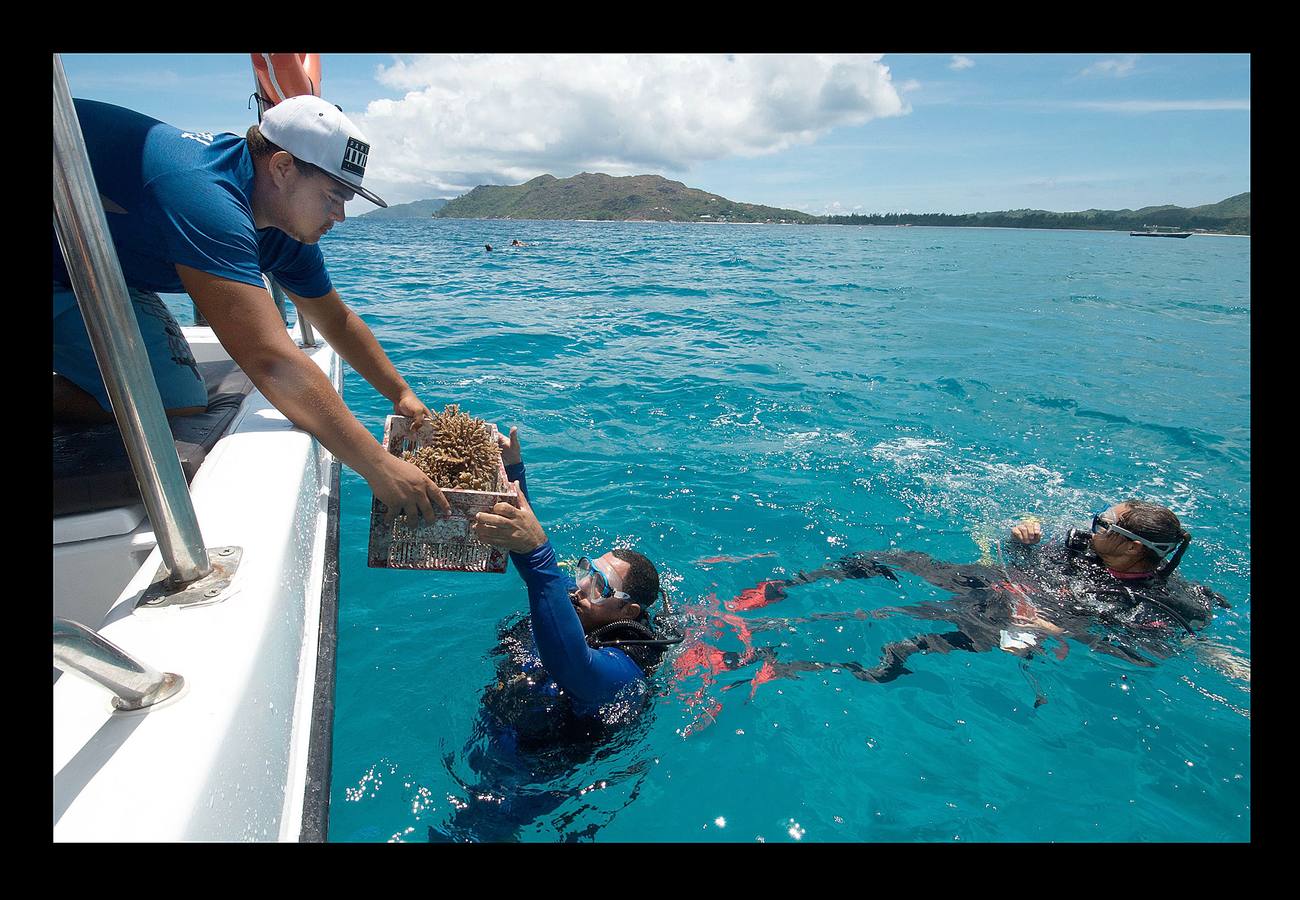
(523,717)
(526,738)
(1136,618)
(1004,605)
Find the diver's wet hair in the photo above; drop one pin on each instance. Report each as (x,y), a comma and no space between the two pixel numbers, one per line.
(1157,524)
(642,581)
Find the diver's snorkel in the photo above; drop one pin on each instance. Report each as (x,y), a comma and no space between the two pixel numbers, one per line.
(1079,543)
(677,636)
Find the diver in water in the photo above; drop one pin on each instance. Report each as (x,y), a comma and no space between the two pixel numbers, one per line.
(571,676)
(1112,589)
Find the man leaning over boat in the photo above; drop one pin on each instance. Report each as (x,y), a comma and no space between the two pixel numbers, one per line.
(207,214)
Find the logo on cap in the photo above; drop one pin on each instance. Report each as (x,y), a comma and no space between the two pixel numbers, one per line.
(354,157)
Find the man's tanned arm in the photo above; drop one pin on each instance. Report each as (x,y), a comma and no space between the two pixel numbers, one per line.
(353,340)
(246,321)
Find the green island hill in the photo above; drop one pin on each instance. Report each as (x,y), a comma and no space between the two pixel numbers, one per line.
(1231,216)
(652,198)
(594,196)
(420,209)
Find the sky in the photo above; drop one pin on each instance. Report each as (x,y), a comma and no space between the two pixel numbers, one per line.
(824,134)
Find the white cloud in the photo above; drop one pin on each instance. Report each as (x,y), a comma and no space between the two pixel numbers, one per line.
(476,119)
(1113,68)
(961,62)
(910,85)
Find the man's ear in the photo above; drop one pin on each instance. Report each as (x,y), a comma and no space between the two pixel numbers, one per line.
(633,610)
(281,166)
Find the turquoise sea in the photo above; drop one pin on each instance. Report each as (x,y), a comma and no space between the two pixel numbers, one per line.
(744,402)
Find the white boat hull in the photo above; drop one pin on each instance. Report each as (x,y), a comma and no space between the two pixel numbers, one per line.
(230,757)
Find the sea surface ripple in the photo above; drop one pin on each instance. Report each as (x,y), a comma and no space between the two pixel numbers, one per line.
(783,396)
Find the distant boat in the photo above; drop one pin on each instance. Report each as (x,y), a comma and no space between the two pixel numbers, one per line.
(1175,234)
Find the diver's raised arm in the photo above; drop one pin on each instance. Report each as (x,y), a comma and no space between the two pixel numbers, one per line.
(512,458)
(510,528)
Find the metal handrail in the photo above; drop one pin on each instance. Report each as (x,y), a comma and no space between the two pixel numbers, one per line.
(308,336)
(134,684)
(119,349)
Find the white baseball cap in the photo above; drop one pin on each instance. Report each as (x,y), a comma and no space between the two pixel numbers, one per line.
(316,131)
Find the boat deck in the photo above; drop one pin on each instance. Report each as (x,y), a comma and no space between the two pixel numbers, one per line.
(92,471)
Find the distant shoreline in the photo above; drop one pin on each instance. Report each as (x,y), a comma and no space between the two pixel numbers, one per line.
(595,196)
(799,225)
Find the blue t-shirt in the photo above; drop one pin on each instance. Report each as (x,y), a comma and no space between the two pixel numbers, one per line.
(187,198)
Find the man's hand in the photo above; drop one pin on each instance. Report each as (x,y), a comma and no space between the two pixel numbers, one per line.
(1028,532)
(406,491)
(353,340)
(516,530)
(510,452)
(410,406)
(250,328)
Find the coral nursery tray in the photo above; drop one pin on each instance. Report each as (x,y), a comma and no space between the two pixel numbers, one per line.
(443,544)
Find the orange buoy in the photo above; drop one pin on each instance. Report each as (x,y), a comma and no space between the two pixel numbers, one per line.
(283,75)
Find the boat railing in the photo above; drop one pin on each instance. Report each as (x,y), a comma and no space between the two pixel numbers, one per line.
(134,684)
(308,336)
(192,574)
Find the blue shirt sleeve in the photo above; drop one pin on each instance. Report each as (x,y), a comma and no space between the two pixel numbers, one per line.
(591,677)
(206,227)
(516,473)
(300,268)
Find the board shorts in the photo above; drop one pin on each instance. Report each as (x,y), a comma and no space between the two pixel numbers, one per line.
(170,356)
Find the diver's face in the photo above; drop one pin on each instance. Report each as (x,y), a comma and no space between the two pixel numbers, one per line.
(594,609)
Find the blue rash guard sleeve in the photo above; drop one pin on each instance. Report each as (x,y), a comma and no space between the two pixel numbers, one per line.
(592,678)
(516,472)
